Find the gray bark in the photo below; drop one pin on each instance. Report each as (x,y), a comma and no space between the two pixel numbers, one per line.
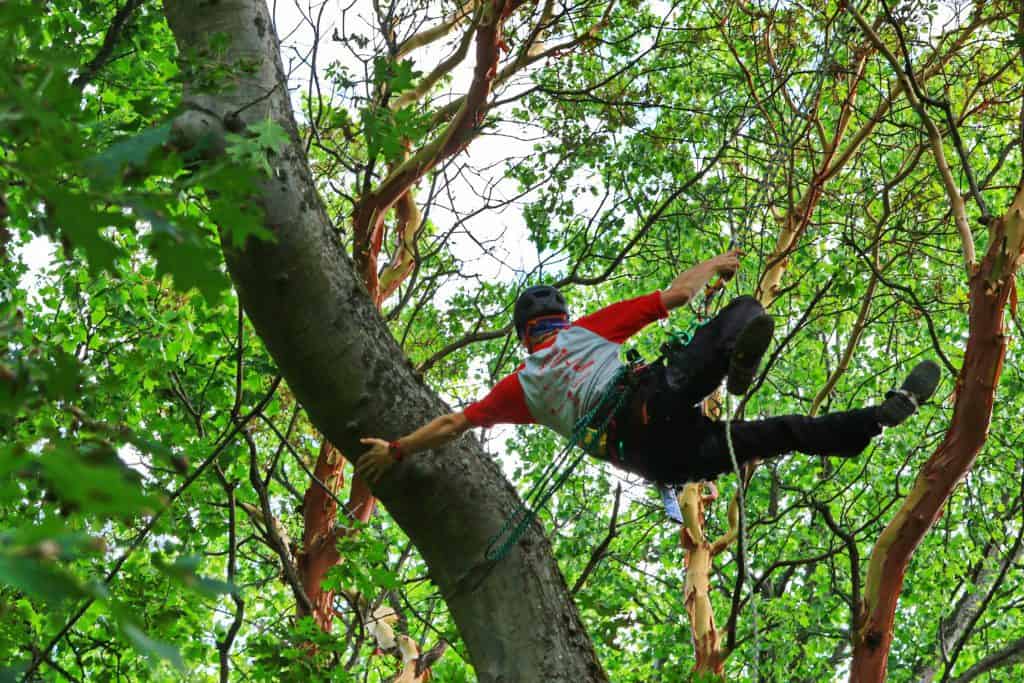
(309,307)
(1004,657)
(956,629)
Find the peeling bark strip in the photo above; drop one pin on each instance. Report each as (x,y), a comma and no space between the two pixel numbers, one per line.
(368,217)
(319,538)
(308,304)
(321,530)
(990,288)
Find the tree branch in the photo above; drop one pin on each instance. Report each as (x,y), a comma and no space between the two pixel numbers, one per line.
(276,542)
(428,36)
(1009,655)
(444,67)
(224,646)
(602,548)
(117,26)
(909,87)
(947,110)
(974,611)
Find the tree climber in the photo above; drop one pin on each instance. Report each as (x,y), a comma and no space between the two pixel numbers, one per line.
(660,433)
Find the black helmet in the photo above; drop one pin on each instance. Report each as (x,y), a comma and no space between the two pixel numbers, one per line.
(535,302)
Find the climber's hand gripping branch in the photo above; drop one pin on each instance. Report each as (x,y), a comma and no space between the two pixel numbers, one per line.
(383,454)
(687,284)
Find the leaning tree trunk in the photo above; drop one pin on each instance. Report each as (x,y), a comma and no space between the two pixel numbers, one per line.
(991,285)
(310,308)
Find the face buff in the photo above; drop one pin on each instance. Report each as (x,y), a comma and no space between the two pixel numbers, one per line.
(538,327)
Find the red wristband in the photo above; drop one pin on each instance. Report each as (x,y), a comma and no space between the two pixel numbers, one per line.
(396,451)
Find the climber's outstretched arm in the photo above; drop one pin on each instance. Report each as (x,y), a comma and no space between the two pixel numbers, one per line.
(689,282)
(382,454)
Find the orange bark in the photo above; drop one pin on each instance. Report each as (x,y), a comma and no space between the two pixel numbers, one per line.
(707,642)
(321,533)
(990,288)
(368,217)
(319,538)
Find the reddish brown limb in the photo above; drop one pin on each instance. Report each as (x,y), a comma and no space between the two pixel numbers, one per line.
(368,217)
(990,288)
(319,538)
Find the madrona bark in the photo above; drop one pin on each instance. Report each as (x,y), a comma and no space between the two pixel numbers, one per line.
(991,286)
(310,309)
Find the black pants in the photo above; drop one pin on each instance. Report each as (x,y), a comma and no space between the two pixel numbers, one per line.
(667,439)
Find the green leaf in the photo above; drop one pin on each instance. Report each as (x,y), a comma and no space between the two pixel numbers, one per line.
(270,135)
(239,218)
(129,154)
(91,477)
(62,378)
(184,571)
(38,578)
(83,224)
(192,261)
(155,649)
(399,77)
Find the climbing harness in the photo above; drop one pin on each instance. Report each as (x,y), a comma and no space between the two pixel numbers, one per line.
(589,434)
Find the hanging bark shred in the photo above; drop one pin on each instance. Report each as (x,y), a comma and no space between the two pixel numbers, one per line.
(371,209)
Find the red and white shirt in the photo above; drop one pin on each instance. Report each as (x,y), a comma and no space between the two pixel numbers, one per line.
(559,382)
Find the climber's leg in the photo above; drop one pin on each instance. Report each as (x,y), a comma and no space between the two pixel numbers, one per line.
(691,447)
(697,369)
(842,434)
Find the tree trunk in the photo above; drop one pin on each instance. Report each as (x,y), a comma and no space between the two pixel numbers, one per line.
(707,642)
(990,287)
(310,308)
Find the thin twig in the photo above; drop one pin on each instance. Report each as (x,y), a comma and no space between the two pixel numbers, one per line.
(117,26)
(143,534)
(602,549)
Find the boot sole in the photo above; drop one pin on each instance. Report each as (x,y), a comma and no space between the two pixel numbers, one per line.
(920,383)
(753,341)
(922,380)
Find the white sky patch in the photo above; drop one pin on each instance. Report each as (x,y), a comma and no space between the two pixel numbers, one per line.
(37,254)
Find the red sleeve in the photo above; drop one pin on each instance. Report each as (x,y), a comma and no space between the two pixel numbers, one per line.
(504,404)
(620,321)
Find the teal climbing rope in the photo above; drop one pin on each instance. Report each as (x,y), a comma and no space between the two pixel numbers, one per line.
(586,433)
(615,394)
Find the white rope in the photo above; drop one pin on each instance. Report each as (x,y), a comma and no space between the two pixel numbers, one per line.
(741,497)
(764,187)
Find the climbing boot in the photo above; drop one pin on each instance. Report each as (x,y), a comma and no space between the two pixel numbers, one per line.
(917,388)
(751,344)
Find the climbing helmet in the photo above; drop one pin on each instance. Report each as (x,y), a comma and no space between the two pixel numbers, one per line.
(537,301)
